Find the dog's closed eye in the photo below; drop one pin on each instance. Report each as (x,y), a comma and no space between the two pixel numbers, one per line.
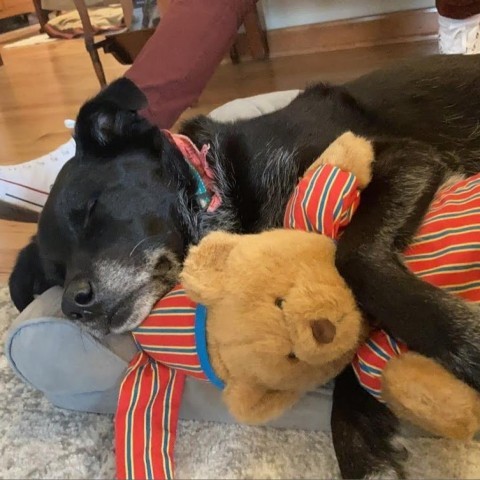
(91,204)
(163,265)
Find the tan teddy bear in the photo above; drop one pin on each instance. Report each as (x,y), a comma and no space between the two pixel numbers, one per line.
(281,320)
(274,330)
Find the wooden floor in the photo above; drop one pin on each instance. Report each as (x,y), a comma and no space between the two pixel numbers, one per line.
(42,85)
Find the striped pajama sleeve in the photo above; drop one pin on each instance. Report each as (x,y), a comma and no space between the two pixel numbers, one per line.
(146,419)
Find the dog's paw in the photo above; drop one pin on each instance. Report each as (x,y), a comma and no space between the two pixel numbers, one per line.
(350,153)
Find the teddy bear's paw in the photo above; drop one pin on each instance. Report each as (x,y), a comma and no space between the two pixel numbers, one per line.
(350,153)
(421,391)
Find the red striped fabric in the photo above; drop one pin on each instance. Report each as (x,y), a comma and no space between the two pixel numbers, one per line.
(371,359)
(146,419)
(150,394)
(167,335)
(446,253)
(446,250)
(323,201)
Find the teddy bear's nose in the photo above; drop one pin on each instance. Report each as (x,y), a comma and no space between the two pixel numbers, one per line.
(323,330)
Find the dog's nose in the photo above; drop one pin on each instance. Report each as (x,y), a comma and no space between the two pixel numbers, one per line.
(323,330)
(79,300)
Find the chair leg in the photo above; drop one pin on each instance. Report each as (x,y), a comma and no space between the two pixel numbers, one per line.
(42,14)
(256,37)
(97,65)
(89,35)
(234,55)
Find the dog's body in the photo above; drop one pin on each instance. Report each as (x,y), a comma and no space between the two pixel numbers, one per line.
(122,214)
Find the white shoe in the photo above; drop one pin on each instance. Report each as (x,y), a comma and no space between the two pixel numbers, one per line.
(28,184)
(459,36)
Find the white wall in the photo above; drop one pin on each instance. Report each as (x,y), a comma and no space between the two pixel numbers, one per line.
(287,13)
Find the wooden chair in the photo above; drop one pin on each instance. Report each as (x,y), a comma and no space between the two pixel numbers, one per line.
(126,45)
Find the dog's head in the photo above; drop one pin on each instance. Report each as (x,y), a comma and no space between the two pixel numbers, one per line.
(118,221)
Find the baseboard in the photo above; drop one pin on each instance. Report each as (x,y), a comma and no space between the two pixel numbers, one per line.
(397,27)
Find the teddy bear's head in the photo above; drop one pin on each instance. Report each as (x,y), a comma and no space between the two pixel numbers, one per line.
(281,320)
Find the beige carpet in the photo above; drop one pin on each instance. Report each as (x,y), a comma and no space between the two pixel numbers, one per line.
(38,440)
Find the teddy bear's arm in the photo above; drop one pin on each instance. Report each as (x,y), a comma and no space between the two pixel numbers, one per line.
(420,390)
(351,153)
(324,201)
(328,194)
(417,388)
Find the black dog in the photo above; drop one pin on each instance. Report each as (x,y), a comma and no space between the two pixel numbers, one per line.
(122,214)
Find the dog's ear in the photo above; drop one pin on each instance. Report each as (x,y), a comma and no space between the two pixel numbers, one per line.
(111,118)
(124,94)
(201,129)
(28,277)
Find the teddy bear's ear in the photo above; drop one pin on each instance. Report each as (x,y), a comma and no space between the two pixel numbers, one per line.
(254,404)
(203,272)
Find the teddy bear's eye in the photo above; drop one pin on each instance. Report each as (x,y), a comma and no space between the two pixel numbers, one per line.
(279,302)
(292,356)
